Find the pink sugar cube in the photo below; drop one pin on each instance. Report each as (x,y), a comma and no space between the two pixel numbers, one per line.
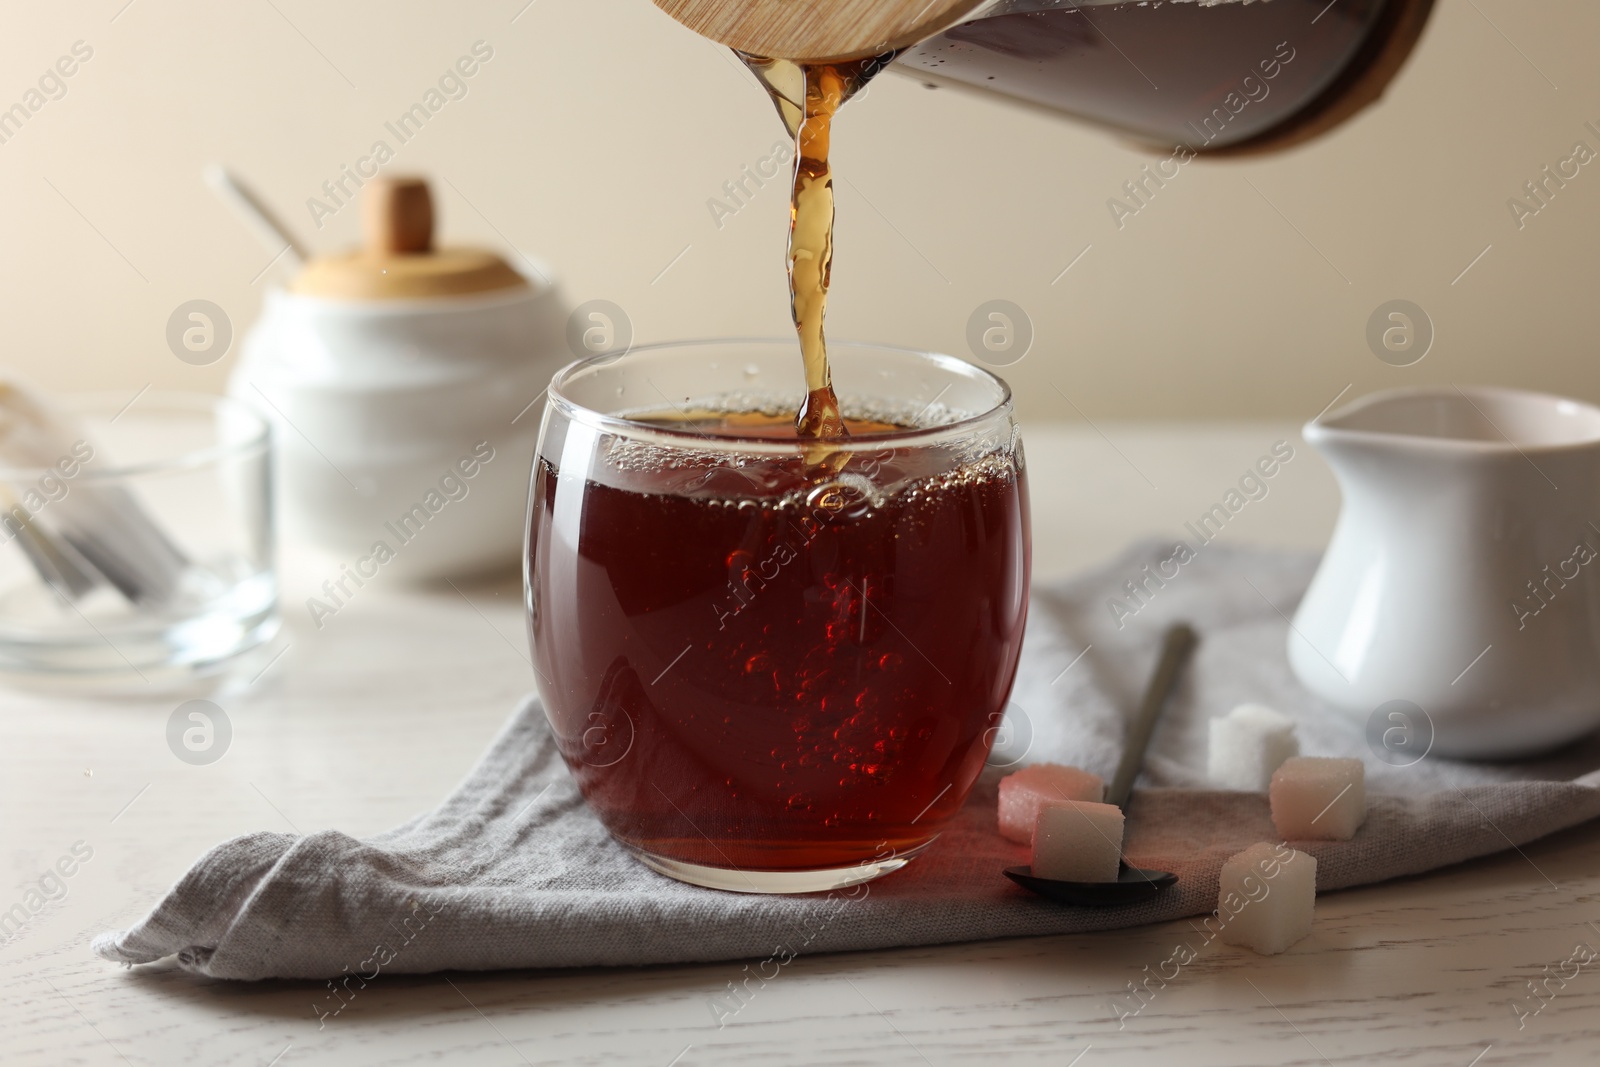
(1316,799)
(1078,841)
(1022,795)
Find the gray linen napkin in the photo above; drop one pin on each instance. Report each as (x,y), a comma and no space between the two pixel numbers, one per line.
(513,871)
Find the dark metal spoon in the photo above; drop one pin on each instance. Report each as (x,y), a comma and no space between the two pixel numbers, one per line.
(1132,884)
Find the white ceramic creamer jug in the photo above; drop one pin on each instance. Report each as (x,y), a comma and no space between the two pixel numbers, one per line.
(1464,572)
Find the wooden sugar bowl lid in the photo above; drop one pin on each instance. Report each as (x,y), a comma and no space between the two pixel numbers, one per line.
(399,261)
(819,30)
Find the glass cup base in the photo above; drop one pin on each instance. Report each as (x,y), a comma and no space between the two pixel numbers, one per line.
(734,880)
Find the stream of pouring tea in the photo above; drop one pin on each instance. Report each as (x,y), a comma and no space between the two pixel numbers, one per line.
(807,96)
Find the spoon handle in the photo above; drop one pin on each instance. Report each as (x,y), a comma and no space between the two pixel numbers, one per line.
(274,235)
(1175,649)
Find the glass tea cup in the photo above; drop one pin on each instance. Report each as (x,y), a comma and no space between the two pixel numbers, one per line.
(774,665)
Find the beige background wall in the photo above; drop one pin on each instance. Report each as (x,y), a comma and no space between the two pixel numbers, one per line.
(597,132)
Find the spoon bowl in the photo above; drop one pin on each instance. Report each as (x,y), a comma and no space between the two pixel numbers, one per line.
(1132,885)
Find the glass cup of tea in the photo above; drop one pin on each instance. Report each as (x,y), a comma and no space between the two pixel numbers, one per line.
(776,665)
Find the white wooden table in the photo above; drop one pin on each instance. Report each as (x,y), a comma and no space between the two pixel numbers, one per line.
(375,717)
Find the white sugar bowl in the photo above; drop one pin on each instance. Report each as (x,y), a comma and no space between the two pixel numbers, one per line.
(406,386)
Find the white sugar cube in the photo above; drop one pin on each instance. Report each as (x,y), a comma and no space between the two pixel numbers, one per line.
(1317,799)
(1247,745)
(1022,795)
(1078,841)
(1265,898)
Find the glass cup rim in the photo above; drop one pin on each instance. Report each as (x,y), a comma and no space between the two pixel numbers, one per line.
(622,426)
(80,402)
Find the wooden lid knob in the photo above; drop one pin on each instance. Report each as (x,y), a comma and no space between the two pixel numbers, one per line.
(818,30)
(399,261)
(397,216)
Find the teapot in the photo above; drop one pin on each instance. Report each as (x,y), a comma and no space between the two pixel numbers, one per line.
(1213,76)
(1463,577)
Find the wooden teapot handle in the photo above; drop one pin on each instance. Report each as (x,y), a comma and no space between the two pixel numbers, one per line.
(818,30)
